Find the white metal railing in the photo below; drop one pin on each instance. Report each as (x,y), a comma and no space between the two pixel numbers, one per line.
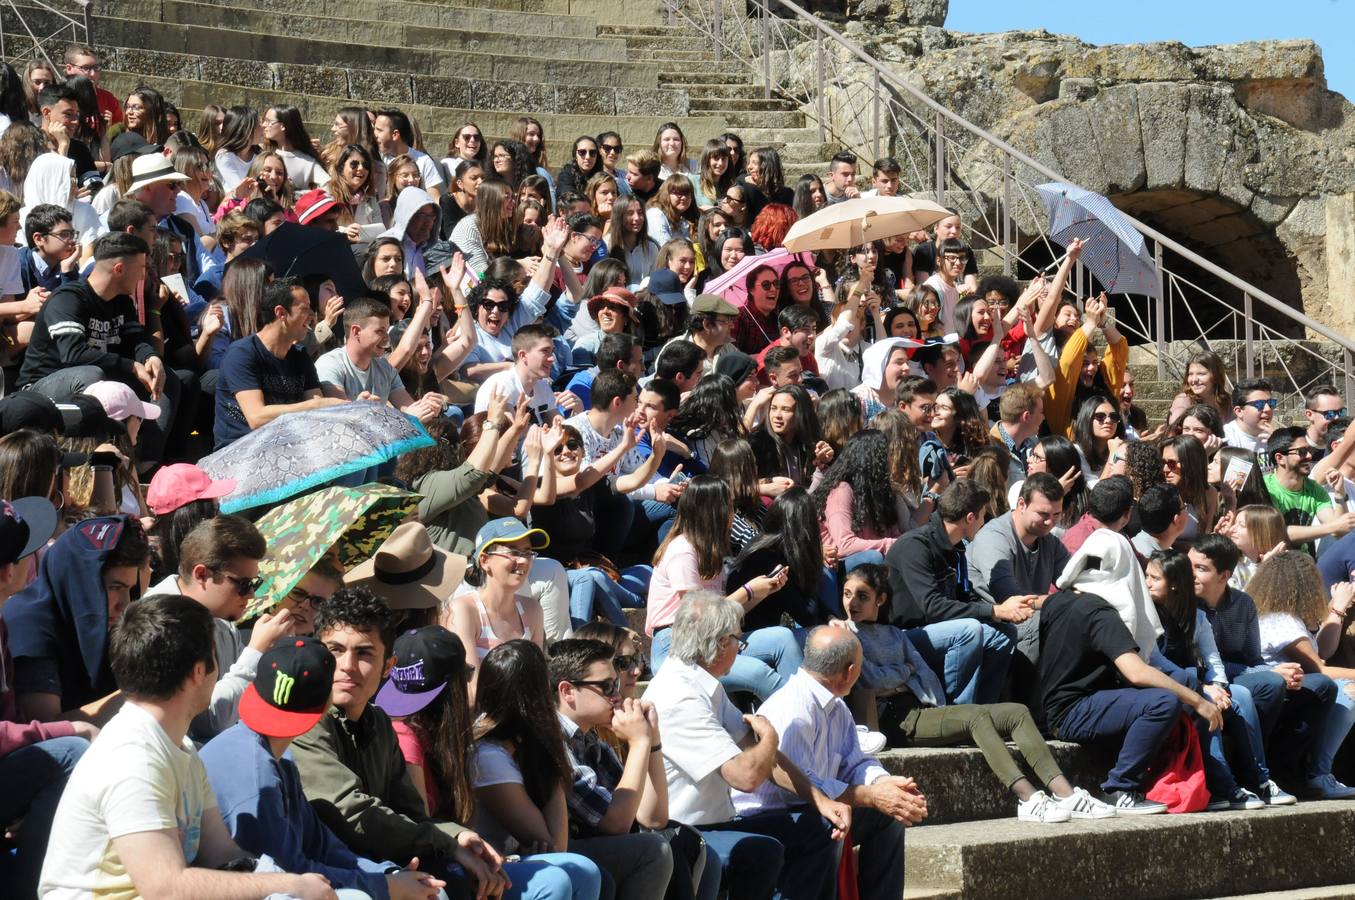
(797,55)
(72,24)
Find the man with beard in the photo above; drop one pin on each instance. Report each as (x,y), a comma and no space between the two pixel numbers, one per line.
(1305,504)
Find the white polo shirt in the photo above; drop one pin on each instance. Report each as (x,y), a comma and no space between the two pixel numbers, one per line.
(1234,436)
(701,730)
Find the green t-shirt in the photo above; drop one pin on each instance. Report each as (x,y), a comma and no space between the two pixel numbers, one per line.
(1298,507)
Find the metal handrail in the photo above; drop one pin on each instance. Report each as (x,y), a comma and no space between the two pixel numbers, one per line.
(85,24)
(884,74)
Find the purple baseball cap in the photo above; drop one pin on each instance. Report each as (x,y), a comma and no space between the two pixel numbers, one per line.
(426,659)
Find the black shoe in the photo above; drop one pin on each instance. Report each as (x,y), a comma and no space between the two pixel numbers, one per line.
(1132,803)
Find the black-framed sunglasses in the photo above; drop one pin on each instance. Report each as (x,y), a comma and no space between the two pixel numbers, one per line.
(611,148)
(573,444)
(586,151)
(610,687)
(1101,417)
(500,305)
(243,586)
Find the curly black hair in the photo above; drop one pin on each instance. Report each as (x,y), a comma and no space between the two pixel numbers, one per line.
(710,410)
(359,609)
(487,284)
(863,464)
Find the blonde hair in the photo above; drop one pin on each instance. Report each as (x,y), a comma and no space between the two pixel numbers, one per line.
(287,196)
(393,171)
(1265,525)
(1289,582)
(9,204)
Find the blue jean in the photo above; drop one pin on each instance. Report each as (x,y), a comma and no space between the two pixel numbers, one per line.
(773,655)
(34,777)
(1140,718)
(747,864)
(1222,774)
(592,592)
(553,876)
(1334,728)
(1303,715)
(809,866)
(660,515)
(972,657)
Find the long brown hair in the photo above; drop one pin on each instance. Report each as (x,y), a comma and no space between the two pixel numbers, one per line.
(518,132)
(514,697)
(904,440)
(663,200)
(393,170)
(445,727)
(242,289)
(496,230)
(1221,400)
(733,462)
(703,517)
(1289,582)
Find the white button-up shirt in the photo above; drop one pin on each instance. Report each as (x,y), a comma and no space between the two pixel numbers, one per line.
(818,734)
(701,732)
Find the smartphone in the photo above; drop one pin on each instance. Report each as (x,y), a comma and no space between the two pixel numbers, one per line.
(777,572)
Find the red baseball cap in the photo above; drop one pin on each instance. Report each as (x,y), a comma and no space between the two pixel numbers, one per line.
(181,483)
(290,692)
(313,204)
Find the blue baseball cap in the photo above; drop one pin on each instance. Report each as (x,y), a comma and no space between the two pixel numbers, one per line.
(506,531)
(664,284)
(25,525)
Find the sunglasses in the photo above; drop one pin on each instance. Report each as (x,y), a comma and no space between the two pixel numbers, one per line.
(1173,464)
(243,586)
(583,151)
(608,688)
(500,305)
(630,662)
(573,444)
(1260,405)
(611,148)
(1333,414)
(1102,418)
(471,137)
(767,285)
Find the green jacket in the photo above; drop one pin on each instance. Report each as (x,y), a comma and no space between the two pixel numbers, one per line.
(354,775)
(450,508)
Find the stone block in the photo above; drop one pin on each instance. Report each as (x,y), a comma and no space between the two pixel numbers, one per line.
(584,99)
(1208,134)
(1162,126)
(1114,117)
(322,81)
(389,87)
(150,62)
(517,96)
(238,71)
(1074,147)
(1271,210)
(455,93)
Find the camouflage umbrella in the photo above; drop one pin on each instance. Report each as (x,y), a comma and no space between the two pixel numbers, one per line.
(350,522)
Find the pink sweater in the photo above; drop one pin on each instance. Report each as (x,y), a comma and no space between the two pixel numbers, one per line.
(837,525)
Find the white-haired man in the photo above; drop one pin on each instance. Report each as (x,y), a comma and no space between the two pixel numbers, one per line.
(710,748)
(818,734)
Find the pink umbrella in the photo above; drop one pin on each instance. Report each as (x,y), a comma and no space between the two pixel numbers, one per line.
(733,285)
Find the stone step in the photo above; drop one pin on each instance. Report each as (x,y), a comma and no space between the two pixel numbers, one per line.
(368,32)
(1177,856)
(725,74)
(1327,892)
(643,30)
(677,39)
(394,87)
(682,56)
(717,92)
(778,120)
(245,49)
(416,12)
(437,121)
(637,11)
(754,102)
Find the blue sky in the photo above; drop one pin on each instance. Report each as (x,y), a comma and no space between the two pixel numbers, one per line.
(1194,22)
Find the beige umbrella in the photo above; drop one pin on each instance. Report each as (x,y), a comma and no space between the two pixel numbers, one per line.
(854,222)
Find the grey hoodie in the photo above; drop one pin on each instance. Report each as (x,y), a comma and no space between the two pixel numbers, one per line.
(411,200)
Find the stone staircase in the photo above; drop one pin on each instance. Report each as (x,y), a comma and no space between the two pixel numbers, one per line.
(487,61)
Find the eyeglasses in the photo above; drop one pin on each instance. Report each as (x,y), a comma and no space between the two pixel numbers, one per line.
(305,598)
(592,240)
(630,662)
(955,257)
(500,305)
(1034,456)
(1299,451)
(68,235)
(1102,417)
(573,444)
(733,201)
(1332,414)
(89,69)
(584,151)
(514,553)
(503,157)
(1260,405)
(609,688)
(801,280)
(743,645)
(929,303)
(927,408)
(243,586)
(611,148)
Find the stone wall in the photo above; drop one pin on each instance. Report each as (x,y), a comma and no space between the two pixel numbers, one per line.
(1239,152)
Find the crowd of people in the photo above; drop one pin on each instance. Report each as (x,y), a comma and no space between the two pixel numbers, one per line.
(865,498)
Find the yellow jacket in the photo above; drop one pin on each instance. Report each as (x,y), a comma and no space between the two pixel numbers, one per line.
(1058,397)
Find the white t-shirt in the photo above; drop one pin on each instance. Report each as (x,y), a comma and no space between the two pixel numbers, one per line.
(11,272)
(701,731)
(1278,631)
(133,779)
(195,212)
(542,401)
(1234,436)
(303,170)
(492,764)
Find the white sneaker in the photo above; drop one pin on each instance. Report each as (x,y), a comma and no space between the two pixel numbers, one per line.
(1082,805)
(1041,808)
(870,741)
(1326,787)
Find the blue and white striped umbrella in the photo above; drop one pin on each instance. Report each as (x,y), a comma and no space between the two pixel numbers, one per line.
(1113,249)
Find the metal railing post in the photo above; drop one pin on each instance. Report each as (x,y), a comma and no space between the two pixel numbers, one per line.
(766,50)
(719,31)
(875,117)
(1348,361)
(940,160)
(89,21)
(818,80)
(1160,337)
(1008,251)
(1247,335)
